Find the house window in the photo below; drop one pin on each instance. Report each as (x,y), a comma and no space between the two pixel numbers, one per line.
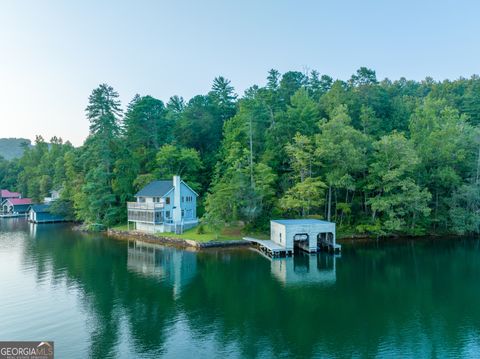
(183,213)
(167,200)
(280,237)
(183,199)
(167,214)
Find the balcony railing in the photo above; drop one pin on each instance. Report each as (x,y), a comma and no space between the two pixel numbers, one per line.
(146,206)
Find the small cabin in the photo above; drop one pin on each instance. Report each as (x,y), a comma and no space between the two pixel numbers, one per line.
(54,195)
(16,205)
(40,213)
(164,206)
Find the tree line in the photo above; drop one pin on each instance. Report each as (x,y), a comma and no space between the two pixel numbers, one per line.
(377,157)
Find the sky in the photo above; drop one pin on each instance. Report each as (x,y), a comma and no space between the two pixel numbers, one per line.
(54,53)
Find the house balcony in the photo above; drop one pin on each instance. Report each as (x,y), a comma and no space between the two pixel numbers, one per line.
(145,206)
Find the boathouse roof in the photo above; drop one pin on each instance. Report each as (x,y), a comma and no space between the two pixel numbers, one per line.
(19,201)
(300,221)
(40,208)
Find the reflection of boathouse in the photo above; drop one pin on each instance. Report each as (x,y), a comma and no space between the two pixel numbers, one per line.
(172,266)
(305,268)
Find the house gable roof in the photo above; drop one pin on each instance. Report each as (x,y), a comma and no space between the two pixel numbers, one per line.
(159,189)
(155,189)
(190,188)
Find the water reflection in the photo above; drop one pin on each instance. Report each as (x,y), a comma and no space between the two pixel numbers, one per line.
(172,266)
(112,299)
(12,225)
(305,268)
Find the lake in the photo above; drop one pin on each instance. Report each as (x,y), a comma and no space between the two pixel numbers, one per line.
(104,298)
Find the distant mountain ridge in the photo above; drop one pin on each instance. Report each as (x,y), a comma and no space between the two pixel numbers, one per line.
(11,148)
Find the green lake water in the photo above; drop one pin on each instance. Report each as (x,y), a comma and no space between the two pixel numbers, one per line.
(103,298)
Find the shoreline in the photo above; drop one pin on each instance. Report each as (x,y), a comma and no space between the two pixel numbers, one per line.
(189,243)
(176,242)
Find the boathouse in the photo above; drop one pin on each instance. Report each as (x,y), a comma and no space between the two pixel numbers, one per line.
(164,206)
(16,206)
(40,213)
(309,235)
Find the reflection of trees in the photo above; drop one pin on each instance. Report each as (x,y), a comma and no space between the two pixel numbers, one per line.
(418,297)
(421,297)
(98,267)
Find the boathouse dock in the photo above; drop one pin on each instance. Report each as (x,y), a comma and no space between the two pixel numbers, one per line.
(268,247)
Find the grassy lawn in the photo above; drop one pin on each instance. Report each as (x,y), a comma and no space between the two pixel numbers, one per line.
(120,227)
(209,235)
(226,234)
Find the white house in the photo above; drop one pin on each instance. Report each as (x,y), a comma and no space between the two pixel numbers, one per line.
(54,195)
(164,206)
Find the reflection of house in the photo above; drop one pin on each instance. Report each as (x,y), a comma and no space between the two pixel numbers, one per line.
(40,213)
(164,206)
(172,266)
(305,268)
(16,205)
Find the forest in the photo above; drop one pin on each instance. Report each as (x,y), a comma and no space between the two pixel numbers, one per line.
(377,157)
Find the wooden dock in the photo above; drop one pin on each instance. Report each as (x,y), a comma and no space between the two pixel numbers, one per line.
(48,221)
(269,247)
(13,215)
(275,250)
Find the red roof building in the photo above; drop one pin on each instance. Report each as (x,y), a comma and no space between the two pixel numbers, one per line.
(5,193)
(15,206)
(18,201)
